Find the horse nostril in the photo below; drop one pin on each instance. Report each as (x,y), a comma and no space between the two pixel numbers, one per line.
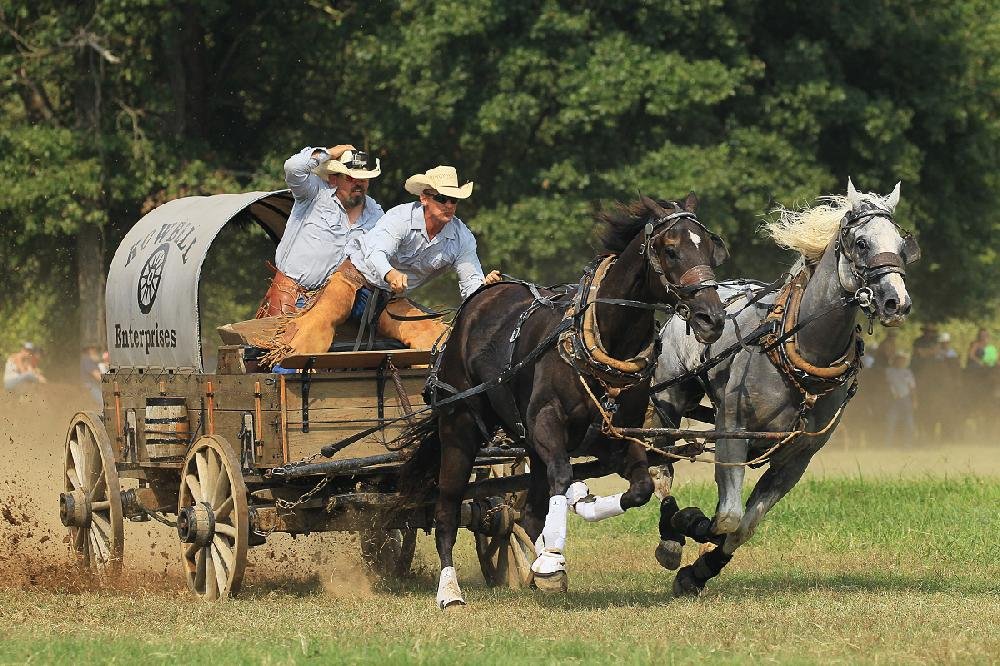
(705,320)
(905,310)
(890,306)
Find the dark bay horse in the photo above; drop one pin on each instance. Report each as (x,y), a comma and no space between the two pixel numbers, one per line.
(660,253)
(854,256)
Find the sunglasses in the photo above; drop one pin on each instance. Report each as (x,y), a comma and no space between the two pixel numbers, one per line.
(444,199)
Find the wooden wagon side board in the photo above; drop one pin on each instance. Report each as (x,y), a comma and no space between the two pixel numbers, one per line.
(340,404)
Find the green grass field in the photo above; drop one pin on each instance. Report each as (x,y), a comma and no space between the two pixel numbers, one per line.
(884,570)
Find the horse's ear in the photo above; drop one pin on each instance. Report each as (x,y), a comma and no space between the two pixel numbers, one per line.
(691,202)
(853,198)
(652,206)
(719,250)
(893,198)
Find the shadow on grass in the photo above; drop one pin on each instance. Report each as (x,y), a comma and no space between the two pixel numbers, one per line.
(611,591)
(759,585)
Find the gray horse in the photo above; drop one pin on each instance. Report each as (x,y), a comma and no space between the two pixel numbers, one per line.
(853,257)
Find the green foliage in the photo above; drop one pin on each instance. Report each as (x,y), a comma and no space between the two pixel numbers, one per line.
(554,108)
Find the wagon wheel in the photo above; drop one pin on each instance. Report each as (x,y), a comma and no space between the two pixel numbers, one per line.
(212,519)
(91,506)
(388,553)
(505,559)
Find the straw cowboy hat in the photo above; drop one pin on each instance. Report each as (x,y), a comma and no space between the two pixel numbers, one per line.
(444,179)
(354,163)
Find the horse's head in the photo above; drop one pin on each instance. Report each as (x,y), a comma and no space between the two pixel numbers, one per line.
(680,255)
(872,252)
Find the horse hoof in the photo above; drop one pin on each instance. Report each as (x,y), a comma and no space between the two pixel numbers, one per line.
(686,585)
(668,554)
(557,581)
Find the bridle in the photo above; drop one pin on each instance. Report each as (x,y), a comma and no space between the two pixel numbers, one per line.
(879,265)
(695,278)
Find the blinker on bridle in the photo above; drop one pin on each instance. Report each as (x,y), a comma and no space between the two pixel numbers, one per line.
(695,278)
(879,265)
(883,263)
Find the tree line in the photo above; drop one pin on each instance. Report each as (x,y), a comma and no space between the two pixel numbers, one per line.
(554,108)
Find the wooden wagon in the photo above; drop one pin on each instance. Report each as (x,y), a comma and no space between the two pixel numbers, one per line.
(231,456)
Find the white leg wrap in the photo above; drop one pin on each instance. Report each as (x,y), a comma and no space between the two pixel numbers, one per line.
(554,533)
(449,593)
(600,508)
(577,492)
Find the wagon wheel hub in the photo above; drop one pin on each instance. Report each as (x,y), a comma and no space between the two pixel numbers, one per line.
(74,508)
(196,524)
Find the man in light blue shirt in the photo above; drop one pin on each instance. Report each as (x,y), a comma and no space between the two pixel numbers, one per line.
(331,207)
(408,246)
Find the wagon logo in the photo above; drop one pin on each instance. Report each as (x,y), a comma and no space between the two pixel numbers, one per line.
(150,277)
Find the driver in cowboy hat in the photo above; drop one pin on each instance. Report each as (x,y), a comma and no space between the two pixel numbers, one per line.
(330,187)
(408,246)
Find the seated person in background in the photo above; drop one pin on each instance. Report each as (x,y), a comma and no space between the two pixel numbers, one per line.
(21,369)
(408,246)
(331,207)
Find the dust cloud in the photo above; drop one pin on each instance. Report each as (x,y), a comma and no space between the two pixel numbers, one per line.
(34,545)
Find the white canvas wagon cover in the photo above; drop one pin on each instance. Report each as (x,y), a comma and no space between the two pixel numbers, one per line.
(152,288)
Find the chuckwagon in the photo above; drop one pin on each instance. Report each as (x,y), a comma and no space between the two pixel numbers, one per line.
(229,455)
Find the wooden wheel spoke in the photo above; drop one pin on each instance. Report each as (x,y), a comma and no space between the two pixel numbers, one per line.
(100,549)
(223,511)
(91,455)
(224,552)
(496,543)
(518,543)
(74,478)
(205,482)
(222,488)
(194,487)
(223,528)
(79,537)
(79,462)
(502,561)
(211,584)
(100,488)
(199,571)
(102,524)
(190,552)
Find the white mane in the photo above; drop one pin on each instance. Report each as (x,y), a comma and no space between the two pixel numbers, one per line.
(810,230)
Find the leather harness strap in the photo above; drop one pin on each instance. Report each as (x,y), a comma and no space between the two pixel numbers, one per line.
(789,360)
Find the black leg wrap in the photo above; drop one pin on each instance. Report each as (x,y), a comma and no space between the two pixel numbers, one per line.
(692,522)
(710,564)
(671,546)
(668,509)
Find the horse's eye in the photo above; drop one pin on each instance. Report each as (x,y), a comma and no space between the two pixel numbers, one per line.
(671,252)
(861,244)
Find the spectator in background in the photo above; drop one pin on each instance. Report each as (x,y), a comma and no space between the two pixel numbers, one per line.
(21,371)
(979,379)
(902,401)
(923,366)
(886,350)
(982,353)
(945,351)
(90,372)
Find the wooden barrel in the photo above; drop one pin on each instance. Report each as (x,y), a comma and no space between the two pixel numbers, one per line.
(166,427)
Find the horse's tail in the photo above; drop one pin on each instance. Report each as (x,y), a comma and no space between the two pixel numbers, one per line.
(418,477)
